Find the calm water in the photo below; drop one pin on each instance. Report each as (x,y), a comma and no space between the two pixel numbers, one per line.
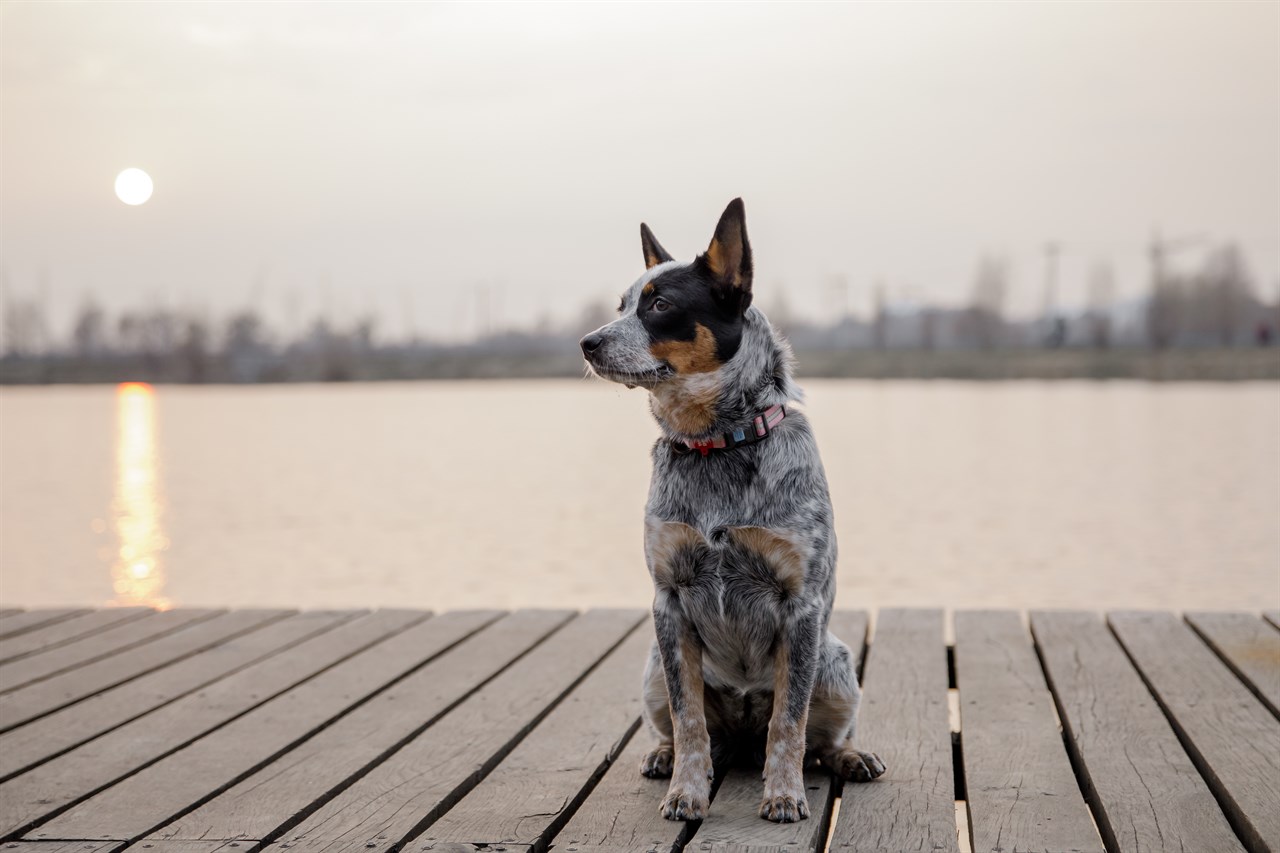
(531,493)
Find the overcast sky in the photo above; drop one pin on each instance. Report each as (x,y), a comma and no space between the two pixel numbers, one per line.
(407,158)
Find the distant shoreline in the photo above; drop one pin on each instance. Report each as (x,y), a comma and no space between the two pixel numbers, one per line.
(1179,365)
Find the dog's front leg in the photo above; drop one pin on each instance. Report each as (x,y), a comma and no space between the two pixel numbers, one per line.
(795,662)
(689,796)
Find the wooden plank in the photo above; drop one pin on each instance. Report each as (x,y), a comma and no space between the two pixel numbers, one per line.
(51,787)
(1232,738)
(6,612)
(167,789)
(192,635)
(61,846)
(95,647)
(1023,794)
(230,649)
(621,814)
(1249,646)
(537,787)
(265,801)
(904,720)
(1146,793)
(415,786)
(734,824)
(1272,616)
(30,620)
(56,632)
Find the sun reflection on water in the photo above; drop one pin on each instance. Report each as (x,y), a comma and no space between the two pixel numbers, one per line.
(137,575)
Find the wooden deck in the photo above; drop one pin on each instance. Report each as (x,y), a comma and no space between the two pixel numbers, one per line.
(195,731)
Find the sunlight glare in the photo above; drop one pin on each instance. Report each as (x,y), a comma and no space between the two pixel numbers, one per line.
(136,574)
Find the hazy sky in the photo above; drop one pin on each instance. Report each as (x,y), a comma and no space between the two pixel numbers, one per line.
(404,158)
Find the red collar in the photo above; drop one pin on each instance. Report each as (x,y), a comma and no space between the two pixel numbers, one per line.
(761,425)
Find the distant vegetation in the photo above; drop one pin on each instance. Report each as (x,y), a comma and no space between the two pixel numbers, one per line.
(1209,324)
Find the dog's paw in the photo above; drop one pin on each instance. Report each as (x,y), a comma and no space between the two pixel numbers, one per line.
(657,764)
(854,765)
(785,808)
(685,805)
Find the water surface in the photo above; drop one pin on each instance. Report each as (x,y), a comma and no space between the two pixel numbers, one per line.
(502,494)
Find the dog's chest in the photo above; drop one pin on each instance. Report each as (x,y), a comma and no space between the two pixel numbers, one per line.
(738,623)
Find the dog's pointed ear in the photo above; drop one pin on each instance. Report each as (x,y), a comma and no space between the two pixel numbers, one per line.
(654,254)
(728,258)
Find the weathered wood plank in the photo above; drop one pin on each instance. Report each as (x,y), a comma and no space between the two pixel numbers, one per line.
(61,846)
(71,625)
(1023,794)
(536,788)
(264,802)
(1233,739)
(621,814)
(415,786)
(53,786)
(30,620)
(95,647)
(165,790)
(1249,646)
(1147,794)
(230,649)
(190,635)
(904,720)
(734,824)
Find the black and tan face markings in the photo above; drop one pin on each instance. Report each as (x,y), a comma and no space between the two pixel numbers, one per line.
(688,326)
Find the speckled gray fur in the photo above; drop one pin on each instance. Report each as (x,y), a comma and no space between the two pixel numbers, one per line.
(723,607)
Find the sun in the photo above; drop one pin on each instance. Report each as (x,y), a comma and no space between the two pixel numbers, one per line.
(133,186)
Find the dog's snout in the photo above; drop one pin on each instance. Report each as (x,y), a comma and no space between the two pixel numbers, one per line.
(591,343)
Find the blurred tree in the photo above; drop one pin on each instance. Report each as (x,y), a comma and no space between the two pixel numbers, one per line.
(1102,291)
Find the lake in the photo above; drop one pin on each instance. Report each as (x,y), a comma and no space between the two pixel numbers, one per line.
(531,493)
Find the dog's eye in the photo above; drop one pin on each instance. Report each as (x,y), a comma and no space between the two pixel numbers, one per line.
(661,304)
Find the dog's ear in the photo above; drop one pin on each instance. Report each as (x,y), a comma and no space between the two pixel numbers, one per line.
(654,254)
(728,258)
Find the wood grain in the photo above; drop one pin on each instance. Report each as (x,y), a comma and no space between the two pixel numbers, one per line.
(535,789)
(61,846)
(66,626)
(260,805)
(416,785)
(234,641)
(98,646)
(621,814)
(190,635)
(53,786)
(904,720)
(1232,738)
(1022,792)
(167,789)
(1147,793)
(1249,646)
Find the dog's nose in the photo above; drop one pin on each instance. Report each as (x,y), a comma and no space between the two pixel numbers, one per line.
(591,343)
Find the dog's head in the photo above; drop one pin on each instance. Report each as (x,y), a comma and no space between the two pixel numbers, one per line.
(679,319)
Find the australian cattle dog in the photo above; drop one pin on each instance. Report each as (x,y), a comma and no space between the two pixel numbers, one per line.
(738,537)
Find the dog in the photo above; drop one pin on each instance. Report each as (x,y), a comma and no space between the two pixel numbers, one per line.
(738,537)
